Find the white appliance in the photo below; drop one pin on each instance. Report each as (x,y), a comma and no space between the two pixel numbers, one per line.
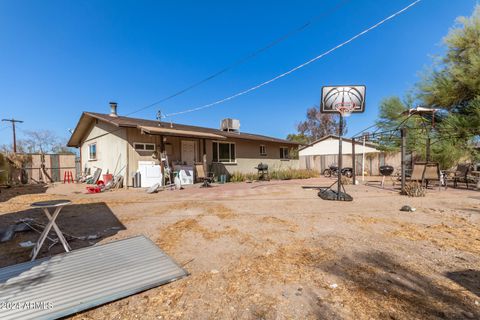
(150,172)
(185,174)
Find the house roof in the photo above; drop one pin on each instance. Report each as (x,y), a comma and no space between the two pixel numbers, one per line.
(181,133)
(331,136)
(173,129)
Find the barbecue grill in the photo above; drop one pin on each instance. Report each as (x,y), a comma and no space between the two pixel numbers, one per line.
(262,169)
(385,171)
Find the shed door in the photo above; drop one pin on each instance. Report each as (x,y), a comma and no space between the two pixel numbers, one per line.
(188,152)
(55,167)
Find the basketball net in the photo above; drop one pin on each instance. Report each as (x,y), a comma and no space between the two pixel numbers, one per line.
(345,108)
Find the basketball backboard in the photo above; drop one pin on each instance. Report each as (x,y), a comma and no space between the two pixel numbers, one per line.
(343,99)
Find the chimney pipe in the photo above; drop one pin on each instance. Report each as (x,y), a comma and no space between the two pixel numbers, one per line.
(113,109)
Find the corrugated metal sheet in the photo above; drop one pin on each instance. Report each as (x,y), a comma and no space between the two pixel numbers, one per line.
(84,278)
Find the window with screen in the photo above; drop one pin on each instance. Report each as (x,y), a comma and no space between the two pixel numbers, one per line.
(144,146)
(263,150)
(92,151)
(224,152)
(284,153)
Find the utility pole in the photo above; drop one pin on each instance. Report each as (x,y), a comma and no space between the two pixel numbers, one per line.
(13,121)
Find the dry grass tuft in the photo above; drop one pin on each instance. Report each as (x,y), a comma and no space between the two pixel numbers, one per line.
(202,208)
(461,236)
(458,234)
(173,234)
(292,227)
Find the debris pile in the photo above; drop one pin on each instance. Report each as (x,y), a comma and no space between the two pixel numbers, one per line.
(414,189)
(95,185)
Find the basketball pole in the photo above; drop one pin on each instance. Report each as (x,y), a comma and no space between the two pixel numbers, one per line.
(340,157)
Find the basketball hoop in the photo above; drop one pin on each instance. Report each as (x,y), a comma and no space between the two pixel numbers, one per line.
(343,99)
(345,108)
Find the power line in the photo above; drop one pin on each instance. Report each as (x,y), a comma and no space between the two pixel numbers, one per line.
(247,57)
(286,73)
(241,93)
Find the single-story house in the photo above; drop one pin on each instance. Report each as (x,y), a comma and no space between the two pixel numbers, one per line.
(122,144)
(322,153)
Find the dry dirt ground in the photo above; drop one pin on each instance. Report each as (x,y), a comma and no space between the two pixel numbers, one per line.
(273,250)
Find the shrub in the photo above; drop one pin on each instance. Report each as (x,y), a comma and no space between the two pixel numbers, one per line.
(241,177)
(287,174)
(284,174)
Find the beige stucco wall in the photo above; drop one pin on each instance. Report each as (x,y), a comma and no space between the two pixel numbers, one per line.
(172,144)
(111,148)
(114,144)
(247,165)
(248,157)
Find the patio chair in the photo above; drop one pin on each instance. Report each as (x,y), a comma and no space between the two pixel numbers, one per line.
(426,172)
(417,171)
(207,179)
(462,174)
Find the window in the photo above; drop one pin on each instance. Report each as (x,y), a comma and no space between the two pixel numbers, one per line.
(263,150)
(224,152)
(144,146)
(284,153)
(92,151)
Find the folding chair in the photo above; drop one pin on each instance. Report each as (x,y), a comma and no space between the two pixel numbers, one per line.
(207,179)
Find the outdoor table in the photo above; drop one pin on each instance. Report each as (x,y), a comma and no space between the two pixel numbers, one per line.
(45,205)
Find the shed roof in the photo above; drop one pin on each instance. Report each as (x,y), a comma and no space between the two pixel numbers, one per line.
(331,136)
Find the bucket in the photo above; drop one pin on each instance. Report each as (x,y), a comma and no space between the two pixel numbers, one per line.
(223,178)
(107,178)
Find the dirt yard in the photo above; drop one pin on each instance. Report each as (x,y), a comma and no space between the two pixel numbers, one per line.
(273,250)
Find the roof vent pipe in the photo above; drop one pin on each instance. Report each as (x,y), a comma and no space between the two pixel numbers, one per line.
(113,109)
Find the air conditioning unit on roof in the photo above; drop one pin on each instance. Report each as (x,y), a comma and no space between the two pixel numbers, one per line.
(230,125)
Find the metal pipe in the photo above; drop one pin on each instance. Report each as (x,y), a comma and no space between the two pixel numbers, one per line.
(340,162)
(403,133)
(363,160)
(354,163)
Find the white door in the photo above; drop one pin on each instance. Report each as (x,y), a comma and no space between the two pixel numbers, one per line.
(188,152)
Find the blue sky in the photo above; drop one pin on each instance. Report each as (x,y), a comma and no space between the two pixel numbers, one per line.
(59,58)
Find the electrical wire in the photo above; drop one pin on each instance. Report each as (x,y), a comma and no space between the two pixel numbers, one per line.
(241,93)
(247,57)
(376,25)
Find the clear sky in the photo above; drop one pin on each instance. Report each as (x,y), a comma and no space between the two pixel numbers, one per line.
(59,58)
